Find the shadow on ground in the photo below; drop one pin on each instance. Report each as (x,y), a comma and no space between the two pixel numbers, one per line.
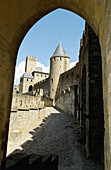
(55,144)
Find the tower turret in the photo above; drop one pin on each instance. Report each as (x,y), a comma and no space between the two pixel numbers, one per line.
(30,64)
(59,63)
(66,61)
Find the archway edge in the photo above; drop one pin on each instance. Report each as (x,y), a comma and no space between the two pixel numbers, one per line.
(23,14)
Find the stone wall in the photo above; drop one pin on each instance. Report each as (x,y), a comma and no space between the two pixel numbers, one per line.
(65,100)
(69,78)
(48,102)
(44,85)
(22,122)
(30,64)
(95,115)
(65,96)
(26,101)
(39,76)
(58,65)
(91,95)
(106,67)
(24,84)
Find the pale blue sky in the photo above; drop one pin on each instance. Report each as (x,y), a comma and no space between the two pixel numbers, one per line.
(43,38)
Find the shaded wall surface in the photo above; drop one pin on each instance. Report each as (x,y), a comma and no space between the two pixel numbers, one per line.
(80,93)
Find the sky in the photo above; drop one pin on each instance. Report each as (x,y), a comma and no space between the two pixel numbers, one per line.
(43,38)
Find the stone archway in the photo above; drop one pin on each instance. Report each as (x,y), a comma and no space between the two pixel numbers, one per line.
(30,88)
(16,19)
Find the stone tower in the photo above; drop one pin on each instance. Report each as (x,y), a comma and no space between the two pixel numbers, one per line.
(30,64)
(59,63)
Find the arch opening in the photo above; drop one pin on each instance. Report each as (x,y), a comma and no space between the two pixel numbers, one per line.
(30,88)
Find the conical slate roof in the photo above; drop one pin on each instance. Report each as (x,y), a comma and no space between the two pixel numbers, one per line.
(66,53)
(59,51)
(27,75)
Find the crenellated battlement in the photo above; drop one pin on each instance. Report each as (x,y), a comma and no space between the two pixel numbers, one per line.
(32,58)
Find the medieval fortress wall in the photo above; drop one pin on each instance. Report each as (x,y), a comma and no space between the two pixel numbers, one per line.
(26,101)
(22,123)
(65,95)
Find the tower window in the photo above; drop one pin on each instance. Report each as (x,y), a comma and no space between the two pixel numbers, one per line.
(27,79)
(60,59)
(54,58)
(31,80)
(52,80)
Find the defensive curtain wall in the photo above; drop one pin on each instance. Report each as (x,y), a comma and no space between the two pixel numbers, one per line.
(22,122)
(42,87)
(26,101)
(80,93)
(27,112)
(20,19)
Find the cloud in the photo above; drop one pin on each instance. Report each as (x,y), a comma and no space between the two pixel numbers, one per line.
(44,68)
(72,64)
(19,70)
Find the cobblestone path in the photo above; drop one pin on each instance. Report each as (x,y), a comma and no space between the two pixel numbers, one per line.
(57,135)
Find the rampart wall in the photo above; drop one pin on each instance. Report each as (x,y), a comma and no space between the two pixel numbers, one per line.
(26,101)
(48,102)
(44,84)
(39,76)
(65,100)
(22,122)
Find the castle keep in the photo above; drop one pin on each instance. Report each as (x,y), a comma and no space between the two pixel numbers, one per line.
(31,75)
(37,81)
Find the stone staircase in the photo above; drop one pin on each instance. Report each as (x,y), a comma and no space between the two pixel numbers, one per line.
(32,162)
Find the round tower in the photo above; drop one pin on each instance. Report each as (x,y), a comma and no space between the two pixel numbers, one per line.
(59,63)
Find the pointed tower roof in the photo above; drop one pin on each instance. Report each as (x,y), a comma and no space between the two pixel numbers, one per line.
(59,51)
(66,53)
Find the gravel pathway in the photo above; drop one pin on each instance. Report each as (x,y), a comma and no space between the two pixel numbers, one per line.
(58,134)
